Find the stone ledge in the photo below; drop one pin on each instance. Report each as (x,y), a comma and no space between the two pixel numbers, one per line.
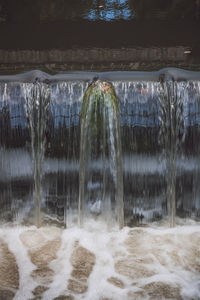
(97,59)
(94,55)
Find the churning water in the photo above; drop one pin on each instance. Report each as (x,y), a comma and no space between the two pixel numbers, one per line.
(93,264)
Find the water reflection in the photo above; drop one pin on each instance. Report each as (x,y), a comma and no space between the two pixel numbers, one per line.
(108,10)
(105,10)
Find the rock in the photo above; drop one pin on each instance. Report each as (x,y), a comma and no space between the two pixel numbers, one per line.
(76,287)
(6,294)
(133,269)
(43,275)
(43,245)
(64,297)
(161,290)
(46,253)
(137,295)
(9,274)
(82,261)
(116,281)
(39,290)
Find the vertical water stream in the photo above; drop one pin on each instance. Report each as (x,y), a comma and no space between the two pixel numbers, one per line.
(16,182)
(144,182)
(100,179)
(61,182)
(171,135)
(37,108)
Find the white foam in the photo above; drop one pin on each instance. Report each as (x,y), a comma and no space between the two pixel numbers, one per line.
(110,247)
(25,267)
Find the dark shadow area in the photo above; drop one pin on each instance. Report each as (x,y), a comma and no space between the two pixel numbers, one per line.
(163,32)
(107,10)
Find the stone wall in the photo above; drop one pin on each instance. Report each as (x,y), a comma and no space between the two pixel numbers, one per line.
(97,59)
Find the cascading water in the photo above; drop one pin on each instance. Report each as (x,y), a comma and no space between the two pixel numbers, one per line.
(40,152)
(37,106)
(62,144)
(16,164)
(144,180)
(121,149)
(172,133)
(157,148)
(187,177)
(101,179)
(61,179)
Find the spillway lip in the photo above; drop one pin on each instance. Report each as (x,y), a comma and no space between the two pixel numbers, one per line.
(31,76)
(163,74)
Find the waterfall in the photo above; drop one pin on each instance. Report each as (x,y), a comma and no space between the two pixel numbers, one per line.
(101,179)
(120,149)
(37,106)
(144,183)
(63,152)
(15,158)
(172,133)
(160,129)
(39,152)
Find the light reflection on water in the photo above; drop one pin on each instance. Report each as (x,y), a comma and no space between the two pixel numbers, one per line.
(110,10)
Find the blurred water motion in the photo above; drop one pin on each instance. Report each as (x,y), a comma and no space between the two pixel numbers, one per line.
(101,186)
(59,165)
(160,136)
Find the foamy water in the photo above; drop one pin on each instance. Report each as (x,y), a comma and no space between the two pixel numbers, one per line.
(94,263)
